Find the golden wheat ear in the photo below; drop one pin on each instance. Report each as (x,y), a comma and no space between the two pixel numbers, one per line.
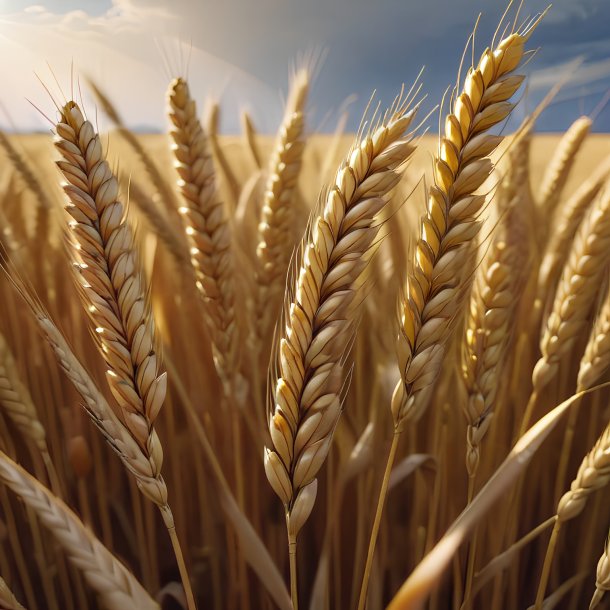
(114,584)
(308,365)
(115,296)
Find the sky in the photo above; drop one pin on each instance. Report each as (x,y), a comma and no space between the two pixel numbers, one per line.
(241,52)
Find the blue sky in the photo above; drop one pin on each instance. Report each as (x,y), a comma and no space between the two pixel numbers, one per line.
(241,50)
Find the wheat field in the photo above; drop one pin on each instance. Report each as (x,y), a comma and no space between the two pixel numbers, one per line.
(307,370)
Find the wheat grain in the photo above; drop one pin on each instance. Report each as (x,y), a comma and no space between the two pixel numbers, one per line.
(433,295)
(114,584)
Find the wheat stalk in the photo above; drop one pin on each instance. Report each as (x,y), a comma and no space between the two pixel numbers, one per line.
(433,295)
(114,584)
(602,581)
(114,293)
(306,386)
(207,228)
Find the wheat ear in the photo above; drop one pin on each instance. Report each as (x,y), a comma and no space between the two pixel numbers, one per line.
(114,293)
(275,230)
(572,304)
(306,385)
(115,585)
(569,216)
(593,474)
(206,226)
(434,295)
(16,401)
(7,600)
(602,580)
(558,170)
(493,304)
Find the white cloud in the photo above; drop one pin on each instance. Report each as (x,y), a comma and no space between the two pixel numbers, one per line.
(125,49)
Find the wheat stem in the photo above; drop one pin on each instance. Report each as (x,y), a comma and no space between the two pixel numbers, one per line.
(383,492)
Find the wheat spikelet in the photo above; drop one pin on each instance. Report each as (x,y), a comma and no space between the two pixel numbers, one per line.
(434,294)
(306,392)
(114,584)
(277,215)
(558,170)
(593,474)
(16,401)
(7,600)
(206,226)
(602,581)
(579,283)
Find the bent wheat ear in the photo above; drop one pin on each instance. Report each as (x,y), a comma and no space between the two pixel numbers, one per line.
(434,293)
(106,575)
